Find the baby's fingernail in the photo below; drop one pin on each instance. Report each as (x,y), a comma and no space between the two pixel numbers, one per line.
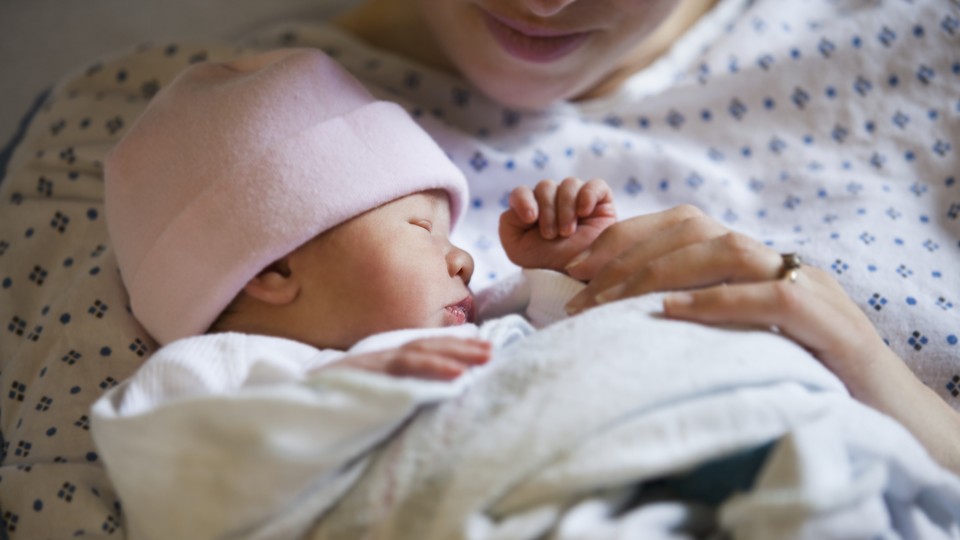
(611,294)
(452,372)
(578,259)
(529,216)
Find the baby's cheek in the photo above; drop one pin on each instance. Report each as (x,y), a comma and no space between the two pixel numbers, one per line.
(417,301)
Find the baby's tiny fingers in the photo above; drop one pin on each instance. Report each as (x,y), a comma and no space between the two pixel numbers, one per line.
(425,365)
(524,204)
(546,194)
(465,350)
(566,206)
(594,192)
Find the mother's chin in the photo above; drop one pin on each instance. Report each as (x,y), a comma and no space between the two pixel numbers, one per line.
(525,90)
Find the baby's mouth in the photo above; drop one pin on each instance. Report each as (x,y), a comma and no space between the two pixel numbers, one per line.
(462,312)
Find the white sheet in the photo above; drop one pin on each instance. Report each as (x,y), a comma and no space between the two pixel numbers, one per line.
(619,396)
(737,431)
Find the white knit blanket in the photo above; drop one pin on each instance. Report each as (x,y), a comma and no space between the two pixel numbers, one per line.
(548,440)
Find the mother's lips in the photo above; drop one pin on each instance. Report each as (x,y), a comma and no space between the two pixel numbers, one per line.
(532,44)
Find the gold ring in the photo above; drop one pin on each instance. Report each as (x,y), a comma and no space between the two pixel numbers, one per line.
(791,266)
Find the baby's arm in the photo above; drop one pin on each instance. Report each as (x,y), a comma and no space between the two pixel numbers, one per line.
(548,226)
(439,358)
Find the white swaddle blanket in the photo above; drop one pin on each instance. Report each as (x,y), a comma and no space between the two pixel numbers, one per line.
(613,422)
(619,396)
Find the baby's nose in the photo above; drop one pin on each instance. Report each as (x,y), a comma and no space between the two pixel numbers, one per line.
(460,263)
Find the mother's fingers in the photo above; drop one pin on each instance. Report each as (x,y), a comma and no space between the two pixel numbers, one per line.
(813,311)
(767,303)
(730,258)
(695,253)
(628,234)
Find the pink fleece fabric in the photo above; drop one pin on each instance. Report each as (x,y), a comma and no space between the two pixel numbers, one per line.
(232,166)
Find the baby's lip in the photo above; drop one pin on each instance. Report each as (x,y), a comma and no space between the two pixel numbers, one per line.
(461,312)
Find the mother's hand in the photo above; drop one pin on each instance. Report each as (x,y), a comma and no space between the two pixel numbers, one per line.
(728,277)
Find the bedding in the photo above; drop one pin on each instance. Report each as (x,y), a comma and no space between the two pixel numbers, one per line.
(844,149)
(591,427)
(747,435)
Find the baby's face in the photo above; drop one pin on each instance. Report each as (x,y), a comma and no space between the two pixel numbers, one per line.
(388,269)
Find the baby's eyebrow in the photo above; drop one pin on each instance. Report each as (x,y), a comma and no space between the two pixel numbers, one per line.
(439,208)
(438,204)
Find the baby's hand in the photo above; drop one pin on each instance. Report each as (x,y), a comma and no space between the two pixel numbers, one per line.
(548,226)
(439,358)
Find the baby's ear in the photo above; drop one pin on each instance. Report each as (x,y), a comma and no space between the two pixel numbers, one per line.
(274,284)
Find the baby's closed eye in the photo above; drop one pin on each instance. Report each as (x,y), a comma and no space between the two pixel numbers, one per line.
(423,223)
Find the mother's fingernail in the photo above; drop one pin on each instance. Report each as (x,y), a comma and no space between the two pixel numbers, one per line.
(578,259)
(575,305)
(611,294)
(678,300)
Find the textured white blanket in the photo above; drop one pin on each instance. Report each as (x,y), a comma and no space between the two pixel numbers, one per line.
(551,439)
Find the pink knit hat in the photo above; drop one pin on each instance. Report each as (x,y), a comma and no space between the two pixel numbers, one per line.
(234,165)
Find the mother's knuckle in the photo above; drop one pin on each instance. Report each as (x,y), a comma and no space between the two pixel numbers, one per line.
(820,275)
(686,211)
(788,296)
(656,271)
(614,234)
(741,246)
(700,226)
(618,267)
